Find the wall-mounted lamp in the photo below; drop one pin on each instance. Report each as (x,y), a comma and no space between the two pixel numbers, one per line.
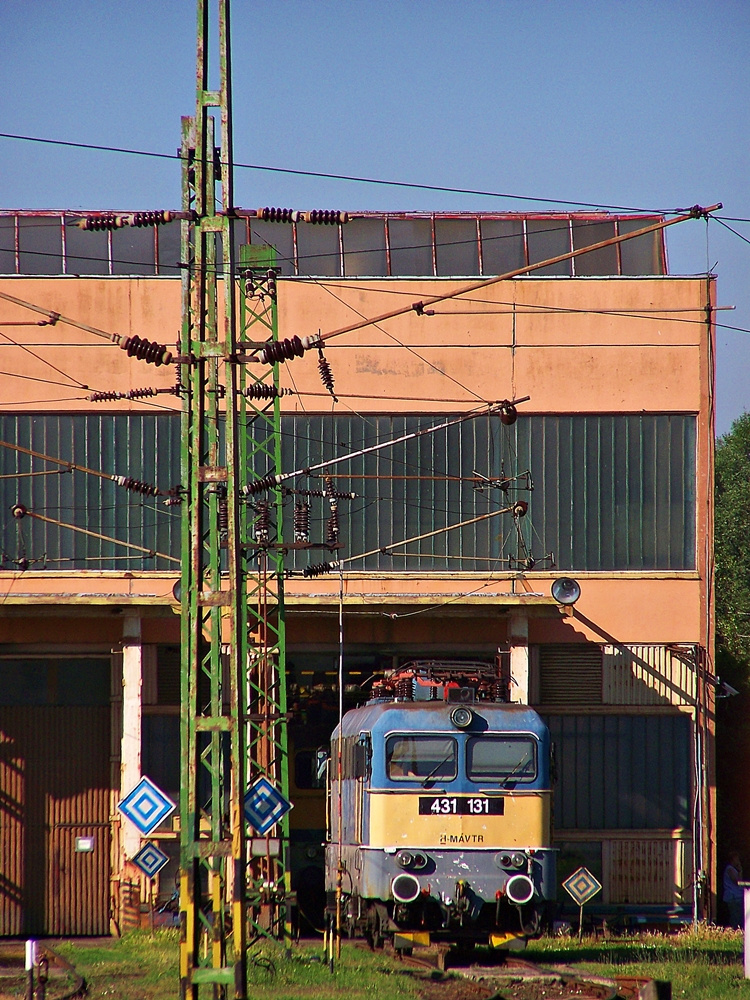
(566,591)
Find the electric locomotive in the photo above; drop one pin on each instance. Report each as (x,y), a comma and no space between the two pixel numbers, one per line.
(440,812)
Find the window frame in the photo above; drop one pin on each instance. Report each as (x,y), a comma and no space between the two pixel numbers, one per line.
(527,738)
(424,738)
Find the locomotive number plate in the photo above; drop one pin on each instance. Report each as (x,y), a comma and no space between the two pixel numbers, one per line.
(460,805)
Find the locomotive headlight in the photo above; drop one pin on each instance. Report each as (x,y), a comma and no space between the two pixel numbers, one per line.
(518,860)
(462,717)
(519,889)
(406,888)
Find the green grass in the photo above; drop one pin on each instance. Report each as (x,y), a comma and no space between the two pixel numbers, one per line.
(702,964)
(141,967)
(134,967)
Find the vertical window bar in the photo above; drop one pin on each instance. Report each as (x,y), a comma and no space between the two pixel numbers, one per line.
(340,230)
(64,243)
(612,512)
(480,256)
(524,224)
(295,251)
(434,247)
(570,246)
(618,248)
(109,251)
(17,244)
(156,249)
(387,246)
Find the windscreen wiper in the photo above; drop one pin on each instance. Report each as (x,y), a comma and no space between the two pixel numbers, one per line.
(436,768)
(518,769)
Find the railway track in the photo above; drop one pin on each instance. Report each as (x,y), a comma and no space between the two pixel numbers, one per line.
(519,979)
(61,981)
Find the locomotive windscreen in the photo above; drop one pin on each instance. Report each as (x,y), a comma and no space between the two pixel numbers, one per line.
(504,758)
(421,757)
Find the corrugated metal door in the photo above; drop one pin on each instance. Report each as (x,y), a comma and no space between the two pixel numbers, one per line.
(13,830)
(54,788)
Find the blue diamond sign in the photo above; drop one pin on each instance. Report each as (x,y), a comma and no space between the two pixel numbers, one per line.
(582,886)
(146,806)
(150,859)
(264,805)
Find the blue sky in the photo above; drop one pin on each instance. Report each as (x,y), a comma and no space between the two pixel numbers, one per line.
(630,103)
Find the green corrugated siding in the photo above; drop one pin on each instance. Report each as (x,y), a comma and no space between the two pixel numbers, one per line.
(611,492)
(621,772)
(143,446)
(614,491)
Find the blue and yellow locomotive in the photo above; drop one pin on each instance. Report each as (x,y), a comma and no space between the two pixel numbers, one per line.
(440,812)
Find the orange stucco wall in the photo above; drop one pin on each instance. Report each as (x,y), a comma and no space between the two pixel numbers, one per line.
(589,345)
(584,345)
(543,338)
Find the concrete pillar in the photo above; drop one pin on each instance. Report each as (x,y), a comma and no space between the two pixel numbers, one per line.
(745,886)
(130,750)
(519,657)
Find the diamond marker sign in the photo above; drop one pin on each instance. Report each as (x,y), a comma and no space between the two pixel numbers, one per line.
(146,806)
(150,859)
(582,886)
(264,805)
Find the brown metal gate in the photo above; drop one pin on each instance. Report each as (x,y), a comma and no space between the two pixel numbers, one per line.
(54,801)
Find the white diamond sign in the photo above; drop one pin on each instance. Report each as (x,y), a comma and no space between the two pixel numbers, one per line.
(264,805)
(582,886)
(150,859)
(146,806)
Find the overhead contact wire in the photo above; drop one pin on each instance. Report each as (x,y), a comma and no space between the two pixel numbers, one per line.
(105,538)
(428,534)
(339,177)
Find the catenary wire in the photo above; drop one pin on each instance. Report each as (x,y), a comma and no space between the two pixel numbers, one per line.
(340,177)
(96,534)
(48,364)
(463,290)
(731,230)
(406,347)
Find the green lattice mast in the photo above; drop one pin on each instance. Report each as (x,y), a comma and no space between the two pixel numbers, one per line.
(233,680)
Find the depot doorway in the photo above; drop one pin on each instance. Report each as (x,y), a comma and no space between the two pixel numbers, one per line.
(54,796)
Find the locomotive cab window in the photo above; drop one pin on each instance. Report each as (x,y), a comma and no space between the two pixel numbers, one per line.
(501,758)
(421,757)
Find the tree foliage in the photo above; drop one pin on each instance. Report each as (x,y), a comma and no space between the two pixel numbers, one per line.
(733,539)
(732,548)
